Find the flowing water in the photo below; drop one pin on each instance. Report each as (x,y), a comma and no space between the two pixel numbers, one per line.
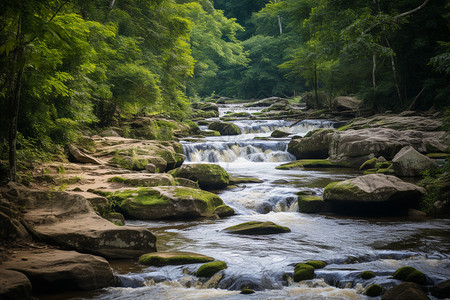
(266,263)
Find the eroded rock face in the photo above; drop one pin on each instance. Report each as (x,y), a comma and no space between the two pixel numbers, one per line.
(376,193)
(68,221)
(52,270)
(315,146)
(410,163)
(208,176)
(174,202)
(346,103)
(399,122)
(14,285)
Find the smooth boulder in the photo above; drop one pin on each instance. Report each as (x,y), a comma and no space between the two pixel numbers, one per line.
(14,285)
(169,202)
(314,145)
(257,228)
(375,193)
(346,103)
(208,176)
(173,258)
(410,163)
(225,128)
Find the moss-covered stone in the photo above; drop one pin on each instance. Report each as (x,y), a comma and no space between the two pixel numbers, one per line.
(312,163)
(257,228)
(144,180)
(279,134)
(310,204)
(224,211)
(369,164)
(239,180)
(410,274)
(211,268)
(370,171)
(225,128)
(173,258)
(247,291)
(208,176)
(210,133)
(374,290)
(367,275)
(316,264)
(303,272)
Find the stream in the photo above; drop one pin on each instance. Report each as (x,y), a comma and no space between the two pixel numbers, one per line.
(349,245)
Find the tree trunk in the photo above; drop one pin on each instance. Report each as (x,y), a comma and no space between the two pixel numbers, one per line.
(316,86)
(394,72)
(374,68)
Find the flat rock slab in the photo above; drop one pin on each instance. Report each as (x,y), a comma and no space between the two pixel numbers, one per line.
(257,228)
(173,258)
(52,270)
(14,285)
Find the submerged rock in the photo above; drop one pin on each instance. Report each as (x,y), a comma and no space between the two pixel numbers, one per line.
(174,202)
(208,176)
(211,268)
(14,285)
(173,258)
(256,228)
(410,163)
(279,134)
(374,193)
(52,270)
(405,291)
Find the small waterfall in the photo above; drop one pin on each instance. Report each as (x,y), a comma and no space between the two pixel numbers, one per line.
(259,151)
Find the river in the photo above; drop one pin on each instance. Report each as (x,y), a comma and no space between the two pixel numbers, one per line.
(349,245)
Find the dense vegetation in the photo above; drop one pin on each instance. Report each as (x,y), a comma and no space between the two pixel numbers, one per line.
(68,66)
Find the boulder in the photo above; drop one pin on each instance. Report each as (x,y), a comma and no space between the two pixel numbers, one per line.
(372,194)
(174,202)
(266,102)
(10,225)
(374,290)
(405,291)
(225,128)
(303,272)
(410,274)
(367,275)
(208,176)
(205,106)
(346,104)
(83,157)
(51,270)
(279,134)
(144,180)
(257,228)
(14,285)
(441,290)
(281,104)
(316,264)
(314,145)
(68,220)
(398,122)
(173,258)
(311,101)
(211,268)
(311,204)
(410,163)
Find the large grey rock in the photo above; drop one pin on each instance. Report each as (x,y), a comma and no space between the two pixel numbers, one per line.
(410,163)
(145,179)
(173,202)
(68,220)
(399,122)
(266,102)
(316,145)
(83,157)
(346,103)
(375,191)
(208,176)
(14,285)
(10,225)
(52,270)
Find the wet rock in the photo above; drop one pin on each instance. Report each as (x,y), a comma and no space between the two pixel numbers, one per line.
(144,180)
(205,106)
(279,134)
(173,258)
(410,163)
(68,220)
(266,102)
(208,176)
(211,268)
(14,285)
(257,228)
(316,264)
(442,289)
(225,128)
(314,146)
(173,202)
(311,204)
(416,215)
(52,270)
(311,164)
(374,290)
(405,291)
(186,182)
(374,193)
(224,211)
(367,275)
(239,180)
(303,272)
(410,274)
(346,104)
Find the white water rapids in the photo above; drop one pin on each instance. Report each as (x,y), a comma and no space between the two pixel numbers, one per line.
(264,263)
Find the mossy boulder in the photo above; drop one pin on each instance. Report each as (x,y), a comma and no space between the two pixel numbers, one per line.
(410,274)
(257,228)
(239,180)
(174,202)
(247,291)
(368,164)
(211,268)
(224,211)
(144,180)
(311,163)
(405,291)
(303,271)
(310,204)
(367,275)
(225,128)
(408,162)
(374,290)
(208,176)
(173,258)
(210,133)
(316,264)
(279,134)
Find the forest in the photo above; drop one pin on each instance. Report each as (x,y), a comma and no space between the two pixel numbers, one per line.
(71,66)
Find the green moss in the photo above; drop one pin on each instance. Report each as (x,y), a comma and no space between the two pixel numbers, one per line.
(384,165)
(224,211)
(385,171)
(247,291)
(303,272)
(316,264)
(370,171)
(173,258)
(340,188)
(256,227)
(367,275)
(209,269)
(368,164)
(410,274)
(438,155)
(374,290)
(210,199)
(239,180)
(141,197)
(117,179)
(210,133)
(312,163)
(345,127)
